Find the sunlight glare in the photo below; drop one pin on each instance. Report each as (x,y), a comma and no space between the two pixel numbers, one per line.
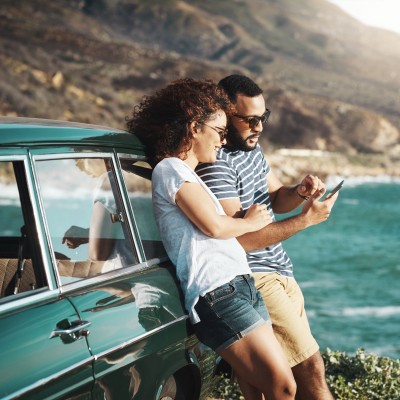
(379,13)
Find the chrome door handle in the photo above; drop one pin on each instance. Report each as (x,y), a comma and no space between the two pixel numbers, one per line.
(75,331)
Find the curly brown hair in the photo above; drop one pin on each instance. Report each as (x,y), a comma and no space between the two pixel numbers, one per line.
(162,121)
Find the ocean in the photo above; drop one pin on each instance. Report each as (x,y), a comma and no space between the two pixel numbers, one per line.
(349,269)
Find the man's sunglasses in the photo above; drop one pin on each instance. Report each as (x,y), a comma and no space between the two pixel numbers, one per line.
(254,120)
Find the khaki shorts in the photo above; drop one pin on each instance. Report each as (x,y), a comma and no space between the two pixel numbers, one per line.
(285,304)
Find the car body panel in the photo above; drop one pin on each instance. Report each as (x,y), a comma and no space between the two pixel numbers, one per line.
(38,363)
(36,132)
(121,334)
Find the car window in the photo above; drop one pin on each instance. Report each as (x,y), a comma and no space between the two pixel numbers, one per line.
(19,266)
(85,217)
(137,177)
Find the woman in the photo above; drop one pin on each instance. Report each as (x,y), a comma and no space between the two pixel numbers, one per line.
(182,125)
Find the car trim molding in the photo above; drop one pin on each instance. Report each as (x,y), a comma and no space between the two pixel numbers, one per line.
(139,338)
(46,381)
(116,273)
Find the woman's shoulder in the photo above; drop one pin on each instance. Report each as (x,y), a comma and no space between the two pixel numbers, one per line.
(169,162)
(173,168)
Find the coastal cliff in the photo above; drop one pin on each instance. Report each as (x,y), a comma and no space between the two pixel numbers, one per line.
(332,83)
(291,165)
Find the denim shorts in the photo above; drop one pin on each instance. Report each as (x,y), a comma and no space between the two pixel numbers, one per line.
(229,313)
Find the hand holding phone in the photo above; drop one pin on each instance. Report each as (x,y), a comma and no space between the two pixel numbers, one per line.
(334,190)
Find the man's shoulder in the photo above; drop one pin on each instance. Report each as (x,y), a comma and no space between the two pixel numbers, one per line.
(235,157)
(222,162)
(209,169)
(230,156)
(223,169)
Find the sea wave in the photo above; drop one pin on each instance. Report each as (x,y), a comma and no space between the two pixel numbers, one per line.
(351,202)
(353,181)
(8,192)
(389,350)
(311,284)
(379,312)
(371,311)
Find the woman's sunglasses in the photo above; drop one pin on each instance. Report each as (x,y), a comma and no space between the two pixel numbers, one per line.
(221,132)
(254,120)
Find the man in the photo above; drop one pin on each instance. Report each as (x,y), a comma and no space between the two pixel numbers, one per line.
(240,177)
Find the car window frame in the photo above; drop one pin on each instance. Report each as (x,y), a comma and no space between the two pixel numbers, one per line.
(49,290)
(159,258)
(60,152)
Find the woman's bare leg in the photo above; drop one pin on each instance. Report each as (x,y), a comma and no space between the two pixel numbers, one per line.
(249,392)
(261,366)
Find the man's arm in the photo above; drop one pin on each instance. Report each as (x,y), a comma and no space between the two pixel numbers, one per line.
(312,213)
(221,179)
(199,208)
(287,198)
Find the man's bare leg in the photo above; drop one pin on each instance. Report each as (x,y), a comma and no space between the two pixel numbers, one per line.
(310,378)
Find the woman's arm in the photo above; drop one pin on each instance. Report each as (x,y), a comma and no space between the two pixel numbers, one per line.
(199,208)
(101,233)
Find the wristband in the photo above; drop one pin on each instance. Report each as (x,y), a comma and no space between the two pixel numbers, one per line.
(300,195)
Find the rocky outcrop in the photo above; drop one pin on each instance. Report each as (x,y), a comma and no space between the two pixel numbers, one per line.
(291,165)
(329,88)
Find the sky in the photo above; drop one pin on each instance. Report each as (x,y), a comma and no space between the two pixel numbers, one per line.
(380,13)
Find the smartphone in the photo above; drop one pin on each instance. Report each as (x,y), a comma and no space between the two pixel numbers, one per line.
(334,190)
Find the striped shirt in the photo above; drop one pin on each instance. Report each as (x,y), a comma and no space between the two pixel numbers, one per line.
(243,175)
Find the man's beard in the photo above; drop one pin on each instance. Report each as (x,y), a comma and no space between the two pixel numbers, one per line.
(235,140)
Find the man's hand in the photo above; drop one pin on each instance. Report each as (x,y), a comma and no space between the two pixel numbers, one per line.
(309,186)
(317,211)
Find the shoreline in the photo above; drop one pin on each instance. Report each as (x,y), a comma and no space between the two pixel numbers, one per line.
(291,165)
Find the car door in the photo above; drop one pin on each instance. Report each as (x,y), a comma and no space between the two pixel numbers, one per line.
(139,332)
(44,352)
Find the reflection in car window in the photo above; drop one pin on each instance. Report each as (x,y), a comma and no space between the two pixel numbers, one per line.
(18,271)
(85,217)
(137,177)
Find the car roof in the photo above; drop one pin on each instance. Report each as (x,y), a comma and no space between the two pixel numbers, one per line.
(21,132)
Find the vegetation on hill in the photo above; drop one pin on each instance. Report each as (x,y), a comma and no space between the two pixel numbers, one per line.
(332,83)
(363,376)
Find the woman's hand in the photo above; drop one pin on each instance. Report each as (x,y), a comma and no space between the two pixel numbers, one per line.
(75,236)
(258,216)
(197,205)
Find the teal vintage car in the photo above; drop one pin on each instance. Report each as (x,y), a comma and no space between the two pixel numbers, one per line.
(89,304)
